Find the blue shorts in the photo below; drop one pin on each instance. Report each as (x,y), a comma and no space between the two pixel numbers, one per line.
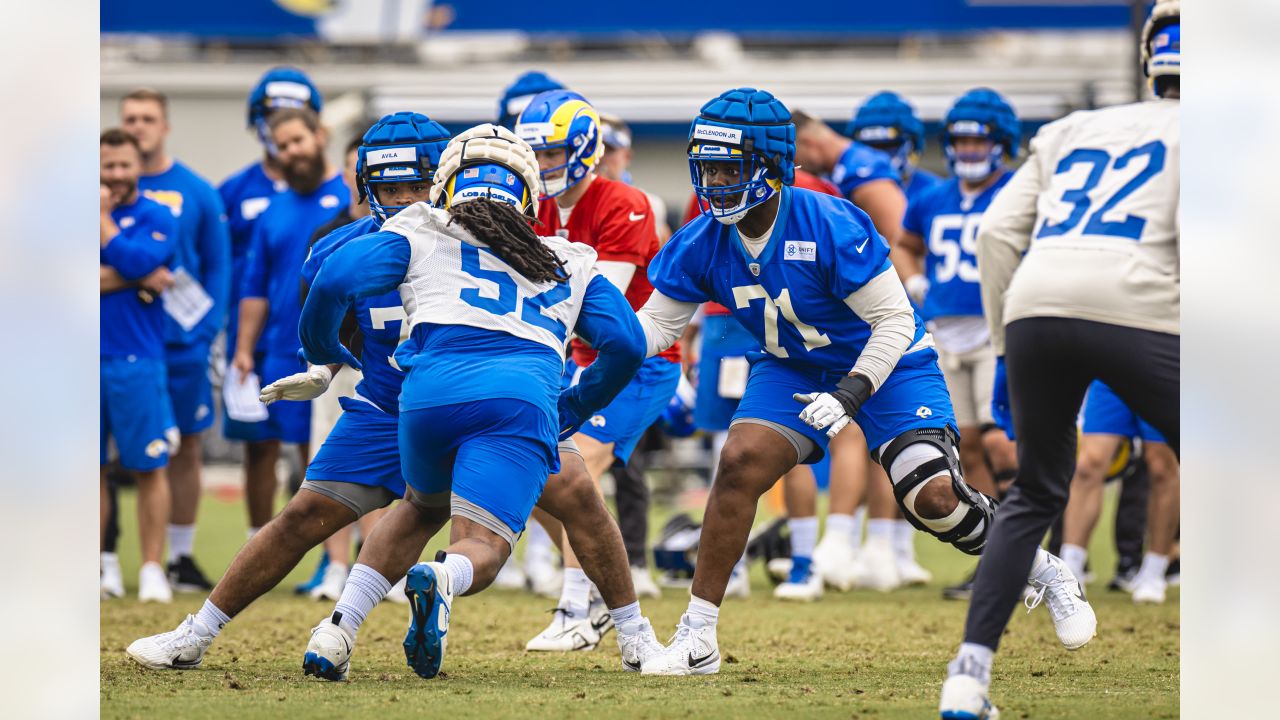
(362,448)
(189,387)
(914,396)
(1106,414)
(134,409)
(722,337)
(287,420)
(493,455)
(639,405)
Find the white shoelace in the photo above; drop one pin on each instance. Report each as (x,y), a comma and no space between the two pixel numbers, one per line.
(1065,605)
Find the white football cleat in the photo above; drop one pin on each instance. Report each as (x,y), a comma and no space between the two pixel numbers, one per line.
(543,579)
(877,568)
(834,560)
(598,613)
(329,652)
(964,697)
(804,589)
(693,651)
(779,569)
(910,573)
(643,583)
(637,643)
(739,582)
(510,576)
(331,584)
(1073,617)
(179,649)
(396,594)
(153,584)
(1149,590)
(566,633)
(112,577)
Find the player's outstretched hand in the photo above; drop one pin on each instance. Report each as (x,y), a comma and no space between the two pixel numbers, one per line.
(1001,411)
(307,385)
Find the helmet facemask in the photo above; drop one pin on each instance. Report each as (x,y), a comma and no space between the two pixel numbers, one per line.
(728,204)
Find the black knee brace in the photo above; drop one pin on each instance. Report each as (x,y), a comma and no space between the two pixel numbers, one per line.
(981,508)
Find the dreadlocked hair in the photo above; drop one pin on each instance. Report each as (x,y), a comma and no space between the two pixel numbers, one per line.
(510,236)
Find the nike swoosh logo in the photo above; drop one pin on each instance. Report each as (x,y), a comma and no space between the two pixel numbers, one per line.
(633,217)
(863,245)
(184,663)
(693,663)
(631,665)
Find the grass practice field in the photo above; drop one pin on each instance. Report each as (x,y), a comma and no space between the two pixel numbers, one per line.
(850,655)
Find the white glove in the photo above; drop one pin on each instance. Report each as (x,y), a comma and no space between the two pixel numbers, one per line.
(307,385)
(823,411)
(917,287)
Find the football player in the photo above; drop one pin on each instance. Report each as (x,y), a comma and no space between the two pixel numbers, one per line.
(616,220)
(889,124)
(1078,260)
(203,250)
(839,338)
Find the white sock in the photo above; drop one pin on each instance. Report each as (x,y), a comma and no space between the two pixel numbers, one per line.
(212,619)
(1153,566)
(904,541)
(804,536)
(1075,556)
(846,526)
(702,610)
(181,538)
(110,558)
(253,531)
(974,660)
(880,528)
(625,614)
(461,572)
(575,596)
(537,545)
(364,589)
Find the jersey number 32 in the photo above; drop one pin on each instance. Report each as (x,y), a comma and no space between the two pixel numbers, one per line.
(1150,157)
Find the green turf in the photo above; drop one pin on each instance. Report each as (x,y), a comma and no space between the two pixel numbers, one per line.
(853,655)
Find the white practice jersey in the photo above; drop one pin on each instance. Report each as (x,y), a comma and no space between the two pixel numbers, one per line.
(1095,210)
(455,279)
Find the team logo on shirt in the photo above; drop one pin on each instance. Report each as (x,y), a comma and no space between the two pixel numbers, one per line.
(800,250)
(171,199)
(597,420)
(329,201)
(923,412)
(156,448)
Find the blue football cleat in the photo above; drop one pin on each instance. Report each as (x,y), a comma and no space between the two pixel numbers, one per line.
(430,595)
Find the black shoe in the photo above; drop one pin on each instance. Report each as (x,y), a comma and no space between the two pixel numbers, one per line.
(1123,581)
(184,576)
(961,591)
(1173,575)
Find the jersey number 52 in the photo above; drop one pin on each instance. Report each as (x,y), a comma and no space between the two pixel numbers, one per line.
(509,299)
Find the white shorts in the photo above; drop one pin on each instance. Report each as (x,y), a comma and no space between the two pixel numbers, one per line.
(969,377)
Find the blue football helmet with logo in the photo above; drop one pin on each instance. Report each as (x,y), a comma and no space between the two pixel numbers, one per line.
(981,113)
(563,119)
(752,130)
(1162,46)
(490,181)
(517,96)
(401,147)
(280,87)
(888,122)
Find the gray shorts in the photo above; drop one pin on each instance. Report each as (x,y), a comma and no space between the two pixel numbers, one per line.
(362,499)
(464,508)
(569,446)
(804,445)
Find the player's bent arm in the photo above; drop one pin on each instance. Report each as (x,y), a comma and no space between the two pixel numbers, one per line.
(607,322)
(883,304)
(1003,238)
(884,202)
(371,265)
(907,256)
(134,256)
(109,280)
(253,317)
(617,272)
(663,320)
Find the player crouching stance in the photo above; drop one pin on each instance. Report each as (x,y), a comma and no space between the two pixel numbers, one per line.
(808,275)
(490,305)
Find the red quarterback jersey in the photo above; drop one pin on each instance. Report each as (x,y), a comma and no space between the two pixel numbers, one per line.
(616,220)
(805,180)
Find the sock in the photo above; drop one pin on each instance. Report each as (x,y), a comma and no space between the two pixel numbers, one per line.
(181,538)
(1074,556)
(364,589)
(880,528)
(212,619)
(904,541)
(537,547)
(461,572)
(804,536)
(110,558)
(253,531)
(974,660)
(700,609)
(1153,566)
(847,526)
(575,596)
(625,614)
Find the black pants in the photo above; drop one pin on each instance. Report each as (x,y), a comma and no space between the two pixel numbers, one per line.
(1050,363)
(1131,520)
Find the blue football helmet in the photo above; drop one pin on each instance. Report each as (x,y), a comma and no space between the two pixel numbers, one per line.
(563,119)
(517,96)
(280,87)
(981,113)
(490,181)
(889,123)
(1162,45)
(401,147)
(753,130)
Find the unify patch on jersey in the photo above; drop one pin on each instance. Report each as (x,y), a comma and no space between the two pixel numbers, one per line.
(718,134)
(801,250)
(386,156)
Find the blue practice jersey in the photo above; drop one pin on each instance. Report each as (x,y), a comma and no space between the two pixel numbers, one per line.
(202,245)
(947,220)
(860,164)
(921,181)
(379,317)
(792,297)
(279,248)
(245,195)
(129,326)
